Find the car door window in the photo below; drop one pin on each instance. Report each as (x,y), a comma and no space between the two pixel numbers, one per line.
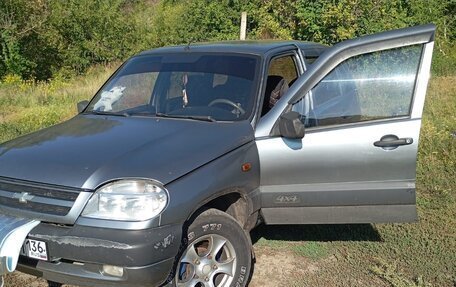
(282,73)
(368,87)
(285,67)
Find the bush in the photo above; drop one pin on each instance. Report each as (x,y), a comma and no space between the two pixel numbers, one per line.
(41,38)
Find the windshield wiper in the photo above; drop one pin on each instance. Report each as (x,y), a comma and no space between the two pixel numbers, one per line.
(190,117)
(122,114)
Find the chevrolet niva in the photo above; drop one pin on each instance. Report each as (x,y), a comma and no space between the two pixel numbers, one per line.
(161,177)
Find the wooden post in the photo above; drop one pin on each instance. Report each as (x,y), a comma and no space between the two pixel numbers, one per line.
(243,25)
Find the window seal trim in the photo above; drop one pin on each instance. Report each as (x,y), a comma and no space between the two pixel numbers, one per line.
(360,123)
(328,128)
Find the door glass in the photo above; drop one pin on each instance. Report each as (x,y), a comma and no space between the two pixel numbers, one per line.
(367,87)
(282,74)
(284,67)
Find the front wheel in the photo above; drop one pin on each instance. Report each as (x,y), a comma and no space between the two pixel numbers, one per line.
(217,253)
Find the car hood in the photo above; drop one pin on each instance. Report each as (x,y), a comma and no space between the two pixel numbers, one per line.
(89,150)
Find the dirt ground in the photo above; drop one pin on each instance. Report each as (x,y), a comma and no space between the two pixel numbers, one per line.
(273,268)
(361,255)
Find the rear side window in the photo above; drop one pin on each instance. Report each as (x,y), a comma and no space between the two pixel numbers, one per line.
(368,87)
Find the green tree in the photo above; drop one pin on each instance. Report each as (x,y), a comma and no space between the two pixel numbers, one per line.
(20,24)
(85,32)
(39,38)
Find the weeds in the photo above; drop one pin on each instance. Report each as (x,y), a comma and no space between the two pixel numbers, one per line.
(393,276)
(27,106)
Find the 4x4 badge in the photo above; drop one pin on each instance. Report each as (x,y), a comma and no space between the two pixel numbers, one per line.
(24,197)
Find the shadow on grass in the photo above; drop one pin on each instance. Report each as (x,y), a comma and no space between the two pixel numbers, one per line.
(336,232)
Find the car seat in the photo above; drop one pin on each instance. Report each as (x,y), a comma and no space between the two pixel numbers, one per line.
(276,86)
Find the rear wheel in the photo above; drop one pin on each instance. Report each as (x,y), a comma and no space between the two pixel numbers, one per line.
(217,253)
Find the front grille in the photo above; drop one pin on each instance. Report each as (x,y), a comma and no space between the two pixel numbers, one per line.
(37,197)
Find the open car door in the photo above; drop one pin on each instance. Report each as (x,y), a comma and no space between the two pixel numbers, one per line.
(361,103)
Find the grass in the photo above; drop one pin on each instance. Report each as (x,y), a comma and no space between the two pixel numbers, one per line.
(421,254)
(311,250)
(27,106)
(393,276)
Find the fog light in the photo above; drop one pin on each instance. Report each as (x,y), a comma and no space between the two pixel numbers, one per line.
(113,270)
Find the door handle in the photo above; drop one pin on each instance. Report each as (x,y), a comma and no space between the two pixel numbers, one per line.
(392,141)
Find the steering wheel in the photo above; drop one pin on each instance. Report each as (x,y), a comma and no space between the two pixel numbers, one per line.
(227,102)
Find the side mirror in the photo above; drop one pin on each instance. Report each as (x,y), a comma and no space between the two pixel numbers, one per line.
(290,125)
(82,105)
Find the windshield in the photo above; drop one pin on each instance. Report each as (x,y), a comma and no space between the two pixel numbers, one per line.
(195,86)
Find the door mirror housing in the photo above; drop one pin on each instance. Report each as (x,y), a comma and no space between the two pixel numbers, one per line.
(82,105)
(290,125)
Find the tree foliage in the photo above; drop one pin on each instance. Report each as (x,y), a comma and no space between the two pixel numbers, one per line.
(42,38)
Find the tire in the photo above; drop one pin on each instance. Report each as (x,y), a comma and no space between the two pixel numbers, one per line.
(214,231)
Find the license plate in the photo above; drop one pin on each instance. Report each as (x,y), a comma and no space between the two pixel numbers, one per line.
(34,249)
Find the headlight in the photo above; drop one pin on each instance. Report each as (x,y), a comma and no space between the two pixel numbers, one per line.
(129,200)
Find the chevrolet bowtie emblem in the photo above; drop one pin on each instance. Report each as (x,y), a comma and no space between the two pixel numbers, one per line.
(24,197)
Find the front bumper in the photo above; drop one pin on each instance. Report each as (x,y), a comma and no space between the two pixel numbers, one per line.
(77,255)
(89,274)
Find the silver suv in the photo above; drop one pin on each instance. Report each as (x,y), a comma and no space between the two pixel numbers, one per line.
(162,175)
